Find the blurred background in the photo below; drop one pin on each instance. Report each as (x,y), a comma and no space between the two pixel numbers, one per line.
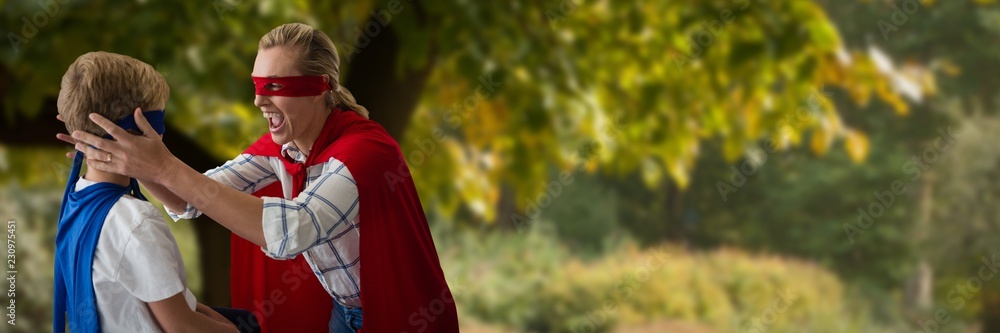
(595,165)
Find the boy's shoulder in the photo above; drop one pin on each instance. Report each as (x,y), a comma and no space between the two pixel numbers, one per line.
(132,212)
(128,217)
(135,229)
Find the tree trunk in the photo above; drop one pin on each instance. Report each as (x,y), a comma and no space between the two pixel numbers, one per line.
(918,296)
(990,316)
(678,229)
(372,76)
(213,251)
(506,207)
(919,288)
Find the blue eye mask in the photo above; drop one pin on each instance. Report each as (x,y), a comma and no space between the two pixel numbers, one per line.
(154,117)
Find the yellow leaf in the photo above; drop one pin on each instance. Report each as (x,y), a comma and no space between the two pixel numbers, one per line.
(857,146)
(751,114)
(950,68)
(652,173)
(680,172)
(821,140)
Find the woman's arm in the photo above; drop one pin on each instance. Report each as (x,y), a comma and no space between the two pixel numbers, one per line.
(246,173)
(325,208)
(145,158)
(169,200)
(174,315)
(239,212)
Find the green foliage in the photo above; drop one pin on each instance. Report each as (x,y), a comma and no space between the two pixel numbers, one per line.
(946,34)
(965,222)
(625,75)
(960,200)
(630,76)
(966,192)
(530,283)
(585,215)
(792,197)
(650,80)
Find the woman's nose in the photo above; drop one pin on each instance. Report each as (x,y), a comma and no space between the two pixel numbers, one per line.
(259,100)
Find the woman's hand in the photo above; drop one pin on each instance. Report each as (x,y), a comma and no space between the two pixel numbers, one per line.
(143,157)
(174,315)
(211,314)
(67,139)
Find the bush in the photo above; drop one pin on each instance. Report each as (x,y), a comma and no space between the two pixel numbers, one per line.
(530,282)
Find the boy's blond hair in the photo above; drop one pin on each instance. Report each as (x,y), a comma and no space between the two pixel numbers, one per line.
(111,85)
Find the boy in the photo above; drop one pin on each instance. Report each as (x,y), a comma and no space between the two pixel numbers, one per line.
(118,268)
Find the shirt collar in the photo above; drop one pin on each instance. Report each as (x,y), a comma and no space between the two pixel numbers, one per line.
(83,183)
(291,151)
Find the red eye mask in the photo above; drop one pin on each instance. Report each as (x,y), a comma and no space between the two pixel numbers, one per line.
(290,86)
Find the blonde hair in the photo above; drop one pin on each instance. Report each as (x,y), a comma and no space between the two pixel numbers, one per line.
(111,85)
(316,56)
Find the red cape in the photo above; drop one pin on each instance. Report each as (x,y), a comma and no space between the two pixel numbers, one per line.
(403,286)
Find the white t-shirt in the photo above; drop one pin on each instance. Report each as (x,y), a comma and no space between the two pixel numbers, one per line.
(136,262)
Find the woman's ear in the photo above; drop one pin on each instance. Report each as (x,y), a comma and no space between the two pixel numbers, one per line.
(333,87)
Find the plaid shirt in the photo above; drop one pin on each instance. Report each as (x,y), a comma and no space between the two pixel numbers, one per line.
(321,222)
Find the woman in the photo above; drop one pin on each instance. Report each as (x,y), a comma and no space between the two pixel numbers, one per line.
(332,163)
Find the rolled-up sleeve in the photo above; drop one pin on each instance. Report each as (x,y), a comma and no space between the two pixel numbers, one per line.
(324,210)
(246,173)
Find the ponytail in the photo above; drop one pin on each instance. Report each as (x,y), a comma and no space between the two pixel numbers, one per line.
(342,97)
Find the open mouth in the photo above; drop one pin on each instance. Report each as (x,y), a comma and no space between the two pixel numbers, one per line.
(275,120)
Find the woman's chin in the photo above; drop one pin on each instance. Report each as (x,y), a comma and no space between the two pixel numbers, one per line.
(280,138)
